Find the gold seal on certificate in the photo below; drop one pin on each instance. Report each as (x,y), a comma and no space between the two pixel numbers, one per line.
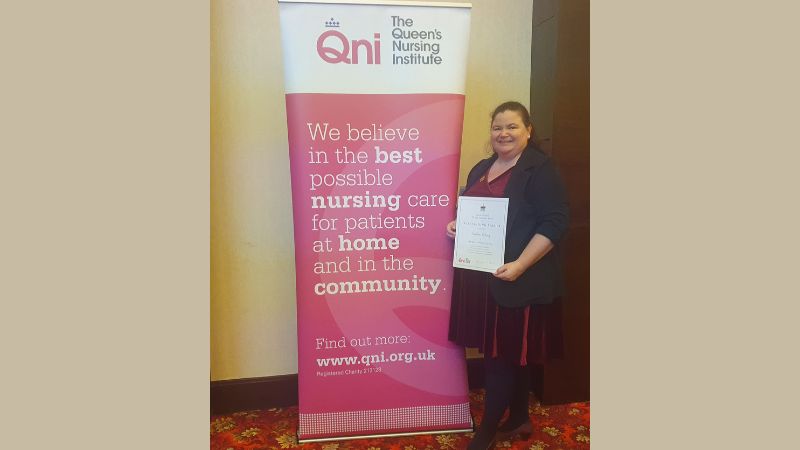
(480,233)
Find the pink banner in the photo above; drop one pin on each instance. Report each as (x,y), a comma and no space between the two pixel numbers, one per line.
(373,186)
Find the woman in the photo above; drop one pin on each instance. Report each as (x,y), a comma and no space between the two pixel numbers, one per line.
(513,315)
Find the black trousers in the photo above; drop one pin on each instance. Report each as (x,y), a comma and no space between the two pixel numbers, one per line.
(507,387)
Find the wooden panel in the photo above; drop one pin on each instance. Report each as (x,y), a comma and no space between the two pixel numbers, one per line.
(253,393)
(567,380)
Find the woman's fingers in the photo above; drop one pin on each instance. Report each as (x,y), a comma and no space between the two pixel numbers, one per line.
(451,229)
(508,272)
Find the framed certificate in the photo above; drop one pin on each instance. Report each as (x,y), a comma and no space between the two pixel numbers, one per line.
(480,233)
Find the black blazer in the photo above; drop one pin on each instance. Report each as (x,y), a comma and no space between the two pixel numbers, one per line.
(537,203)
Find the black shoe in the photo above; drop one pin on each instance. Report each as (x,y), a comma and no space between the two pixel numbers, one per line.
(481,441)
(510,429)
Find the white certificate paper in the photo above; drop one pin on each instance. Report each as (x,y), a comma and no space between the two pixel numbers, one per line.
(480,233)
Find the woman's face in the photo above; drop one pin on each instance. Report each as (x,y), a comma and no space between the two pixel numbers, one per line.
(509,134)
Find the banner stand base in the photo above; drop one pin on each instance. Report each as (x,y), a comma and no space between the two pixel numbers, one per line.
(373,436)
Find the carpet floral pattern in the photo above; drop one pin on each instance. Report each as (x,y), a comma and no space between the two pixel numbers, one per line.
(557,427)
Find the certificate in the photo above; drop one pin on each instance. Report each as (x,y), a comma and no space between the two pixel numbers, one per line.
(480,233)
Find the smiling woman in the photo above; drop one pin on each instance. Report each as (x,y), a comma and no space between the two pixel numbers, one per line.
(513,315)
(511,132)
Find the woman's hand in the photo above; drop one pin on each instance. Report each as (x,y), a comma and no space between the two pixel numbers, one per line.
(510,271)
(451,230)
(538,246)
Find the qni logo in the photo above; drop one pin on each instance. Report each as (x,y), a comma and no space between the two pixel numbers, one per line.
(334,47)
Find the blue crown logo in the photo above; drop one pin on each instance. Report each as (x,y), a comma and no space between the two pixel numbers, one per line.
(332,23)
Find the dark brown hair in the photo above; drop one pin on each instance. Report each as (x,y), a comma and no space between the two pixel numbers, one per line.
(520,109)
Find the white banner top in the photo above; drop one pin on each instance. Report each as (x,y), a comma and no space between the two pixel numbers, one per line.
(384,2)
(374,47)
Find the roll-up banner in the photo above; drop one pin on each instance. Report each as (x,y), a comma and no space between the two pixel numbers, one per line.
(374,105)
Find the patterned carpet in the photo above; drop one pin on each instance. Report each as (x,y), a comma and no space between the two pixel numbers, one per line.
(558,427)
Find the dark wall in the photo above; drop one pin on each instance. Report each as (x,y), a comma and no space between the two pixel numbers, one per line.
(560,104)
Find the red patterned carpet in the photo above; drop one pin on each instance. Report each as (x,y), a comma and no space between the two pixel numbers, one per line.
(558,427)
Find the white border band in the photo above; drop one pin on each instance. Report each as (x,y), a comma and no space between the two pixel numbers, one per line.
(384,2)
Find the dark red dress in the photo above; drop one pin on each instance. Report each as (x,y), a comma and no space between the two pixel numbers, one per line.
(530,334)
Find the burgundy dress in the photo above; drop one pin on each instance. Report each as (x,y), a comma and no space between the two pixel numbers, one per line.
(531,334)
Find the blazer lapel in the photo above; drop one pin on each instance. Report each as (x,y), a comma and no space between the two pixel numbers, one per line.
(515,189)
(479,170)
